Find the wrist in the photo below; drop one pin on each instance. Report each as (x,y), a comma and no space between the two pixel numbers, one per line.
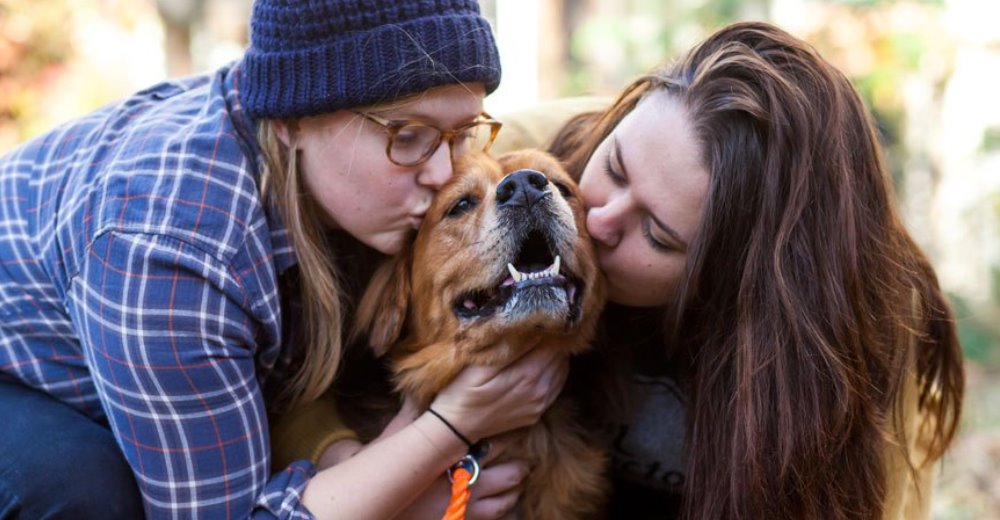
(443,440)
(468,422)
(469,443)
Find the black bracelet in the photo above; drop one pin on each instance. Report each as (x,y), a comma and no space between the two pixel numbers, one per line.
(454,430)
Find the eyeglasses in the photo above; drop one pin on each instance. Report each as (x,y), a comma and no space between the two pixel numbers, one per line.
(411,142)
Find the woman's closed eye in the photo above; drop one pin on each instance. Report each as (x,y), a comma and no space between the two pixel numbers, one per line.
(617,178)
(654,242)
(463,139)
(408,136)
(663,239)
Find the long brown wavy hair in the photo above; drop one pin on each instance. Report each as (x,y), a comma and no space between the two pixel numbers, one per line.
(805,305)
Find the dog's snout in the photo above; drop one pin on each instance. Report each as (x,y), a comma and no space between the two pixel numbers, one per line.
(522,188)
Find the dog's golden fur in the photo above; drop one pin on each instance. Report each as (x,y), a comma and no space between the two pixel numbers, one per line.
(451,300)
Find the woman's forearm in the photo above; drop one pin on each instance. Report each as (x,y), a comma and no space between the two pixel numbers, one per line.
(381,479)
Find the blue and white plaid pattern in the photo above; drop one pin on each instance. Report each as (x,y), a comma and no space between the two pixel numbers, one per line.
(138,283)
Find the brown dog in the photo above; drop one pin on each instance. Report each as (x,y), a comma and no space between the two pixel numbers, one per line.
(498,257)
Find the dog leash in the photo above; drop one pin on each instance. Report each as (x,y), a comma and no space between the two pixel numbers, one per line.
(462,475)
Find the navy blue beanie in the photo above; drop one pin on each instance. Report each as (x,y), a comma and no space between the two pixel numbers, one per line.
(308,57)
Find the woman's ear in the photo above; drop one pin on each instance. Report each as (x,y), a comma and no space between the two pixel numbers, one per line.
(285,129)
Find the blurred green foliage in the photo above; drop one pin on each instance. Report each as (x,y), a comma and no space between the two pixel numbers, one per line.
(995,280)
(645,34)
(991,142)
(978,338)
(873,3)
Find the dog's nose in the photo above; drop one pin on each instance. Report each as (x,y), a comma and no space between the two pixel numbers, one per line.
(522,188)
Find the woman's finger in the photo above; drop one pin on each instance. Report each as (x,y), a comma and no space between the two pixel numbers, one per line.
(494,507)
(499,478)
(558,373)
(497,491)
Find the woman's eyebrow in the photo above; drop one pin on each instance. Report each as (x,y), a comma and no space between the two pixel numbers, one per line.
(659,223)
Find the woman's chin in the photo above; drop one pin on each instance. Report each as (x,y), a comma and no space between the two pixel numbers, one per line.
(630,297)
(390,242)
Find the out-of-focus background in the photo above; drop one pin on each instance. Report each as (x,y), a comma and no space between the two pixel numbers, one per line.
(929,70)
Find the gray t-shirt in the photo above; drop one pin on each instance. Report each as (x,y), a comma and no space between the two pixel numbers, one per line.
(648,451)
(647,456)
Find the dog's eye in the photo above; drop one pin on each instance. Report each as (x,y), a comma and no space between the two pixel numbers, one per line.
(462,206)
(564,189)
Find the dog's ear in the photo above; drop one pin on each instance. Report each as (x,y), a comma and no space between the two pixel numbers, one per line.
(381,315)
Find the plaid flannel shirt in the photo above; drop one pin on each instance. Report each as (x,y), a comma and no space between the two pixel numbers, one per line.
(138,284)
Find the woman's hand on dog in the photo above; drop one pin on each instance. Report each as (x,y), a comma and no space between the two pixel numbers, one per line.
(484,401)
(493,495)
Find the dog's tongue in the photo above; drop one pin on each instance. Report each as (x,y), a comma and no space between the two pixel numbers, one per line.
(508,281)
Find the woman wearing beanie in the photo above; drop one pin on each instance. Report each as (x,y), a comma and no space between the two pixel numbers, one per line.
(179,266)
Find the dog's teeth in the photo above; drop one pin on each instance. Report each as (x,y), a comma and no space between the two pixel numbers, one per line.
(517,275)
(551,271)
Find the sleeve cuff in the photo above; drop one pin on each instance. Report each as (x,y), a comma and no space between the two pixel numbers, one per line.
(306,431)
(329,439)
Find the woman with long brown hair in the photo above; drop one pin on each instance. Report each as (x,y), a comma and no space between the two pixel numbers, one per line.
(781,347)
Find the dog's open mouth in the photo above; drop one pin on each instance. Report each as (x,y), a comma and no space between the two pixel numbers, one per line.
(535,282)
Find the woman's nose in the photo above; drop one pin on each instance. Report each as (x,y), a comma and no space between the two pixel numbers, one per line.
(437,170)
(604,223)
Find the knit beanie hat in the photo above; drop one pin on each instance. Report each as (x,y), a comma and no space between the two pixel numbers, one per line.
(308,57)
